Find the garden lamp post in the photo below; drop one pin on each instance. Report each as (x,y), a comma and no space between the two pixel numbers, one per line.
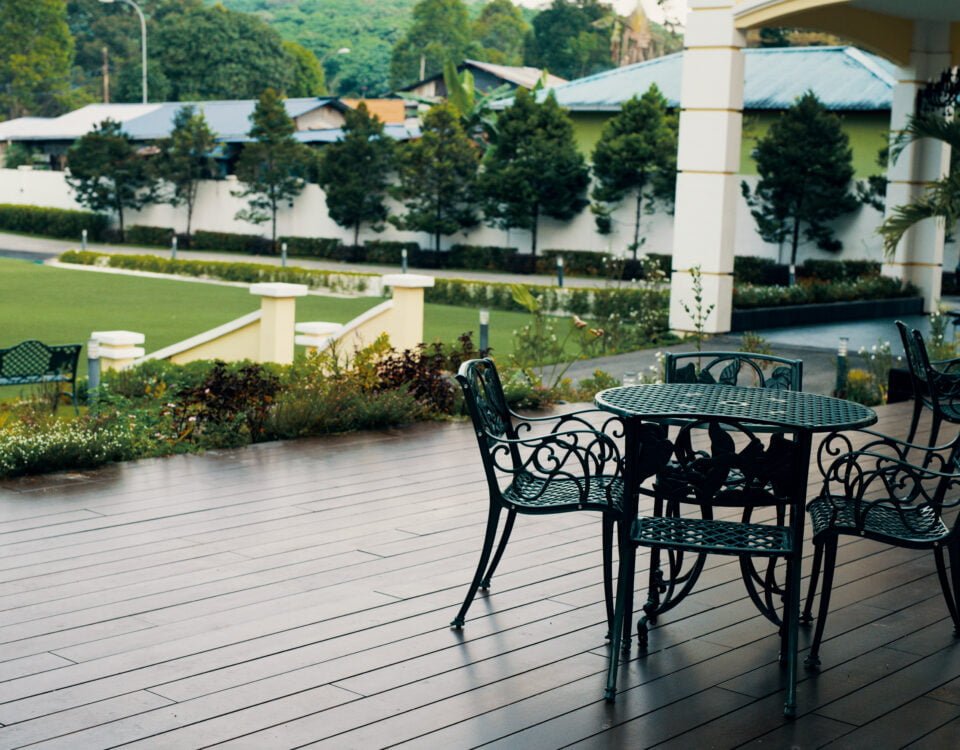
(143,43)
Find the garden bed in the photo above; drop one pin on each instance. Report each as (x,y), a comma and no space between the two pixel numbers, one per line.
(823,312)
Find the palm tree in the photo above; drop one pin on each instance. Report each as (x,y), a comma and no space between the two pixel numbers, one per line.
(940,199)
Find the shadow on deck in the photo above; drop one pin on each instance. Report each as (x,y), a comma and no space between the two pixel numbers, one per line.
(298,593)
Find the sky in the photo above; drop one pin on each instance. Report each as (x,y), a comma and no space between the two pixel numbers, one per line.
(675,8)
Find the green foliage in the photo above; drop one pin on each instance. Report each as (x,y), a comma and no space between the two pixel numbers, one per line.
(440,31)
(698,312)
(939,200)
(533,168)
(500,32)
(251,273)
(636,154)
(232,242)
(436,177)
(36,51)
(107,174)
(155,236)
(306,73)
(186,158)
(353,172)
(16,155)
(746,296)
(941,343)
(38,447)
(479,121)
(241,54)
(274,166)
(805,167)
(571,38)
(52,222)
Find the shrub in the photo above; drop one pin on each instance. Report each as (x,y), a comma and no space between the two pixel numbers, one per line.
(389,251)
(312,247)
(143,235)
(746,296)
(53,222)
(480,257)
(749,269)
(251,244)
(36,448)
(838,270)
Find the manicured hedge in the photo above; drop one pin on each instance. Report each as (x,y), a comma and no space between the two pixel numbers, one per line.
(749,269)
(53,222)
(252,244)
(144,235)
(337,281)
(603,265)
(746,296)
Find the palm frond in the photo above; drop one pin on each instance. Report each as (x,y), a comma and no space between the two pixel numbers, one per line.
(931,125)
(901,219)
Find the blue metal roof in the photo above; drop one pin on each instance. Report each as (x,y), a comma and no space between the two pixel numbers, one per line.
(843,78)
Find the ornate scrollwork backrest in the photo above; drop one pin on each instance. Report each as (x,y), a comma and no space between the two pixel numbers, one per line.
(911,354)
(887,485)
(746,474)
(728,368)
(943,387)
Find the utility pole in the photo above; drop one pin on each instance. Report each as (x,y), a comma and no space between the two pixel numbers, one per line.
(106,75)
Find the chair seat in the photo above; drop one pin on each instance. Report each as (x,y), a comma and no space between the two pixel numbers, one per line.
(881,521)
(716,537)
(532,493)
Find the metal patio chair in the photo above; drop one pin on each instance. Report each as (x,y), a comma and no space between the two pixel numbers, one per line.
(537,466)
(881,491)
(734,368)
(936,384)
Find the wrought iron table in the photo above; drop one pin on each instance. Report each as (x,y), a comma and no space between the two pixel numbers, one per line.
(738,471)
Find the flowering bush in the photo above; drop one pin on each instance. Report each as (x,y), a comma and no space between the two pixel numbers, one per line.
(35,448)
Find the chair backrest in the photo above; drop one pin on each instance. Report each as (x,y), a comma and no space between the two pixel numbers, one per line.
(911,353)
(729,368)
(487,404)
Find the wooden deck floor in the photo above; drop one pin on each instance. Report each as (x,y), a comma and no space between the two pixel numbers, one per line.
(298,594)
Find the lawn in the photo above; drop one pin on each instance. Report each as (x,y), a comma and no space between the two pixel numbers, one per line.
(59,306)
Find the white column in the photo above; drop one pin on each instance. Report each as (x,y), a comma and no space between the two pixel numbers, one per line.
(708,160)
(278,315)
(919,256)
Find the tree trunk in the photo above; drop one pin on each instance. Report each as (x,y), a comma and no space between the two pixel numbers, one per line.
(273,230)
(356,234)
(636,224)
(793,251)
(123,237)
(533,233)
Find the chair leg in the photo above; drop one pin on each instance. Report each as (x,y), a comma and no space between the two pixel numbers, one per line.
(504,538)
(493,519)
(791,624)
(950,586)
(830,563)
(915,419)
(608,525)
(807,617)
(934,429)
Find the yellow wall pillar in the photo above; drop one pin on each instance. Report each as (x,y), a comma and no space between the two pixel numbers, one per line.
(708,159)
(118,349)
(406,321)
(278,307)
(919,256)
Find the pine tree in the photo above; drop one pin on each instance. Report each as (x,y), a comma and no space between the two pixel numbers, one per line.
(186,158)
(437,176)
(533,168)
(108,174)
(636,154)
(805,167)
(273,167)
(353,172)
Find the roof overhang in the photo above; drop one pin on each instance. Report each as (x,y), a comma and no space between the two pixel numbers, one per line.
(882,26)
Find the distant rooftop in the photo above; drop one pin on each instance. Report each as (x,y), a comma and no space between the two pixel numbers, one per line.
(521,76)
(843,78)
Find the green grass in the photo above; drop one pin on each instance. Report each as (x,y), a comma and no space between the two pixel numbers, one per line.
(60,306)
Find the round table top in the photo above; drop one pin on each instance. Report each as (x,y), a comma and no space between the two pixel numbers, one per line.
(789,409)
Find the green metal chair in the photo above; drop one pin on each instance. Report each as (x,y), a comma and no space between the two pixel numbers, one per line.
(889,491)
(540,466)
(936,384)
(733,368)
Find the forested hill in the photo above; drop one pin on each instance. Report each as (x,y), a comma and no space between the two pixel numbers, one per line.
(368,28)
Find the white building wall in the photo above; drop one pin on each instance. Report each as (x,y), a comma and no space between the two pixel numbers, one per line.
(216,208)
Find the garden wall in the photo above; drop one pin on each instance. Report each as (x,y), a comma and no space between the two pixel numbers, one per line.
(216,208)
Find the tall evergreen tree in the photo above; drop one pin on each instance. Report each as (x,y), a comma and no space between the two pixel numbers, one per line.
(437,175)
(353,172)
(636,154)
(273,167)
(805,167)
(186,157)
(570,38)
(108,174)
(533,168)
(36,51)
(440,31)
(500,32)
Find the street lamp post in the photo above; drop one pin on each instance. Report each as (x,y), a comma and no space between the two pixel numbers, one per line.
(143,43)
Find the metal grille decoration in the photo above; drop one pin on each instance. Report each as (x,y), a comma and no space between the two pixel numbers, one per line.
(941,95)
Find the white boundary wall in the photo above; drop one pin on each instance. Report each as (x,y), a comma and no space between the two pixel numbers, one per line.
(216,208)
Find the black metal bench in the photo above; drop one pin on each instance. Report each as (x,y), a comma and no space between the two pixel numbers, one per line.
(32,362)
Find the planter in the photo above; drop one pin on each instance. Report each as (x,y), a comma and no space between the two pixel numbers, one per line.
(758,318)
